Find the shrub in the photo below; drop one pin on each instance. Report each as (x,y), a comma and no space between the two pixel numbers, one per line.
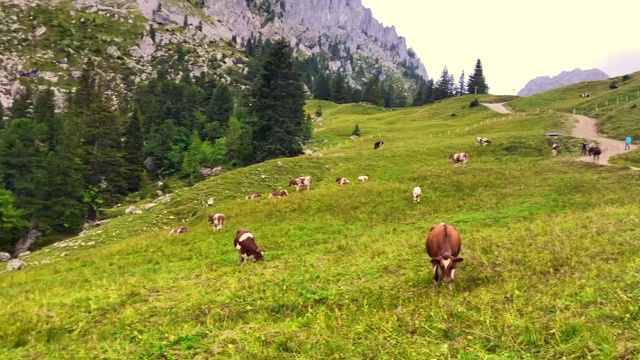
(474,103)
(356,131)
(626,77)
(318,112)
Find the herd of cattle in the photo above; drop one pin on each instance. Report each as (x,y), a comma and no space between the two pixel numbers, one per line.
(443,242)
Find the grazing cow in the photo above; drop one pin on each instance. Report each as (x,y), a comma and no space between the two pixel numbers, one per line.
(179,230)
(462,157)
(555,149)
(216,220)
(300,182)
(483,141)
(278,193)
(584,95)
(443,246)
(252,196)
(417,192)
(595,152)
(246,245)
(342,181)
(363,178)
(377,145)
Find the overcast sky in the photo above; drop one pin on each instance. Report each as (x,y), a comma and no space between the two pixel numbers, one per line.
(517,40)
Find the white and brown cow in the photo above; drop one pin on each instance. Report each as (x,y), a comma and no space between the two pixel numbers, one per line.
(363,178)
(300,182)
(216,221)
(279,193)
(443,246)
(462,157)
(179,230)
(252,196)
(342,181)
(246,245)
(555,149)
(483,141)
(584,95)
(417,192)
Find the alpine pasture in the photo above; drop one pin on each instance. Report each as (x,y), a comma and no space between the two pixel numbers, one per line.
(550,246)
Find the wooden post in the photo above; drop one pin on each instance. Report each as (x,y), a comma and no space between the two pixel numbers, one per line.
(574,111)
(378,136)
(537,110)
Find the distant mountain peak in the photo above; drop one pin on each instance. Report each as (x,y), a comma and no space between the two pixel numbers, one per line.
(544,83)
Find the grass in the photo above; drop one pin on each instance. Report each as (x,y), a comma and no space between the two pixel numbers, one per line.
(550,248)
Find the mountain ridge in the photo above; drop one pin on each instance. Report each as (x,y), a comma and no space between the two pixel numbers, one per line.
(544,83)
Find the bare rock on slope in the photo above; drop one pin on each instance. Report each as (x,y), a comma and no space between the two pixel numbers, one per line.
(544,83)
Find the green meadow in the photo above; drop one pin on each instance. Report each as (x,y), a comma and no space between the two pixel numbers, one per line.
(550,245)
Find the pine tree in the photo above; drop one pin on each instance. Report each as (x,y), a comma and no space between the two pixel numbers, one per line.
(477,83)
(339,89)
(239,150)
(322,89)
(12,222)
(462,86)
(44,113)
(152,33)
(278,102)
(22,105)
(1,117)
(356,131)
(185,22)
(372,90)
(444,87)
(220,106)
(133,154)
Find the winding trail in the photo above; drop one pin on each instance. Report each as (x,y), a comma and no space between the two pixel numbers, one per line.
(585,129)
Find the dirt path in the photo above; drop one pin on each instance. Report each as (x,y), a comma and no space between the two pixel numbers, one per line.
(497,107)
(586,129)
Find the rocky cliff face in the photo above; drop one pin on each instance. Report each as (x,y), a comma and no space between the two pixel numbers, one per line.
(544,83)
(42,46)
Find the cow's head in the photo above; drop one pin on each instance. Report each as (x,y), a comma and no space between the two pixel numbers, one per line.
(447,265)
(293,182)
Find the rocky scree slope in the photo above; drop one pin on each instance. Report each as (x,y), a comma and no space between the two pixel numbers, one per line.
(46,43)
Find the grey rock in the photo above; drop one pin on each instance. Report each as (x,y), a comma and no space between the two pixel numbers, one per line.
(161,18)
(132,210)
(113,50)
(4,256)
(40,31)
(16,264)
(544,83)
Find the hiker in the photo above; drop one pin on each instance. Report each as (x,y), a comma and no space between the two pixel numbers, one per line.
(627,143)
(584,147)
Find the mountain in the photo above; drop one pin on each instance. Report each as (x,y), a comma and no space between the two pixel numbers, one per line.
(544,83)
(45,43)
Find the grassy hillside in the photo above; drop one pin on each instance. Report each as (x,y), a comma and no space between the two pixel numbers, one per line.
(549,245)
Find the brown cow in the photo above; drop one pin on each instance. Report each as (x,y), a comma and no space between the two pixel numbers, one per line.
(342,181)
(246,245)
(278,193)
(216,220)
(252,196)
(462,157)
(300,182)
(443,246)
(179,230)
(595,152)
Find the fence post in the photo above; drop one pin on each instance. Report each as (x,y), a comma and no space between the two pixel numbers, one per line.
(574,111)
(537,110)
(378,136)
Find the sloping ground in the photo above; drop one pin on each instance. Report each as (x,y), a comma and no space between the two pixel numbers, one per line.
(586,129)
(345,274)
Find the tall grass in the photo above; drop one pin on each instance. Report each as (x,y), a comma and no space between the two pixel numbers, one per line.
(549,245)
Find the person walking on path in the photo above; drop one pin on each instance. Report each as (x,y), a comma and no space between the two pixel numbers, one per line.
(584,147)
(627,143)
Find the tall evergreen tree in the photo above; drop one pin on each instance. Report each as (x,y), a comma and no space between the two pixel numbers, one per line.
(462,86)
(339,89)
(372,90)
(322,89)
(218,112)
(278,102)
(1,117)
(477,83)
(444,87)
(22,105)
(12,222)
(133,154)
(44,113)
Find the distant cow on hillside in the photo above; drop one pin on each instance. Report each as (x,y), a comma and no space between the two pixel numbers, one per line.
(443,246)
(378,144)
(179,230)
(246,245)
(252,196)
(363,178)
(216,221)
(300,182)
(279,193)
(462,157)
(595,152)
(342,181)
(584,95)
(483,141)
(555,149)
(417,192)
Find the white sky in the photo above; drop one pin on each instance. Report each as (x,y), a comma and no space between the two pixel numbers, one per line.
(517,40)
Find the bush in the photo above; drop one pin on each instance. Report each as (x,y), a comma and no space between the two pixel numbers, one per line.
(356,131)
(318,112)
(474,103)
(626,77)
